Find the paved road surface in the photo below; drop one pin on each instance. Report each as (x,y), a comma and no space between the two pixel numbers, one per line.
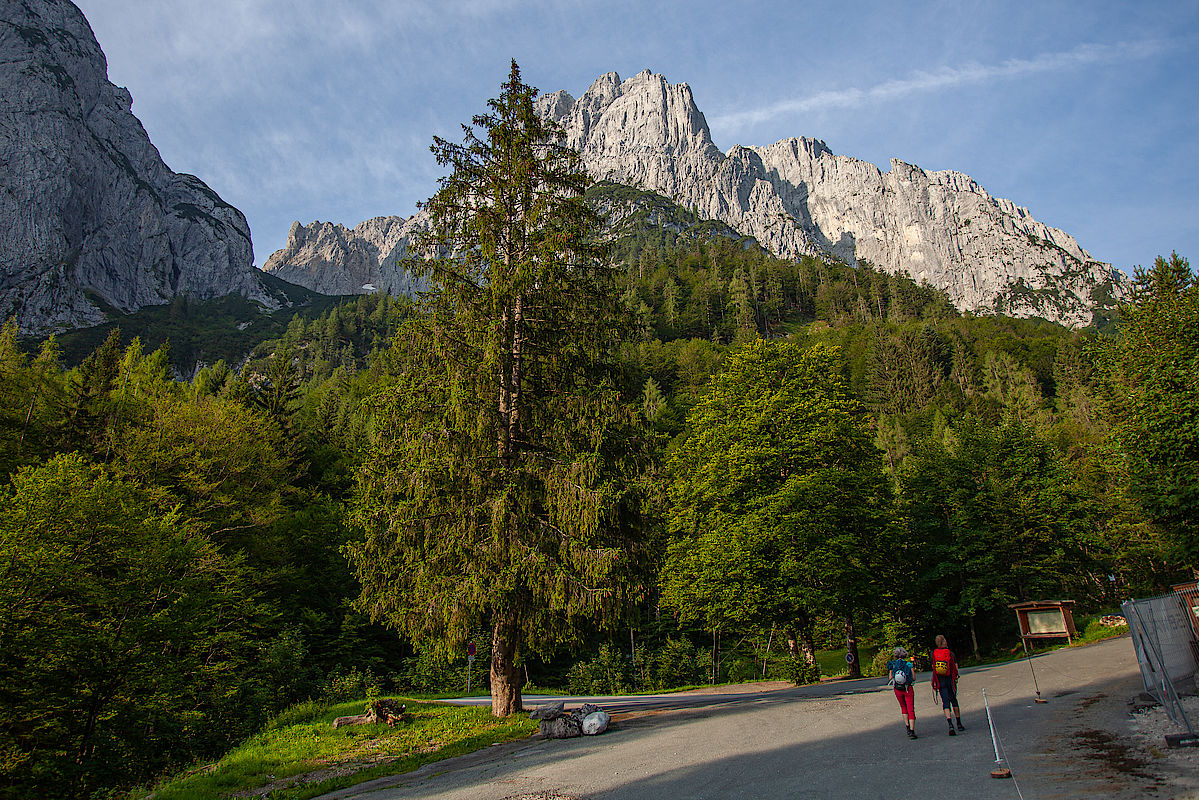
(842,739)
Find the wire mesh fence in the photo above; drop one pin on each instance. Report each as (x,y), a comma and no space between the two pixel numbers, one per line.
(1164,632)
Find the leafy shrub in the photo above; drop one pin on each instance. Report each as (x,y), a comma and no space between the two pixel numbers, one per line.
(878,665)
(800,672)
(740,670)
(430,673)
(676,663)
(284,673)
(607,673)
(353,684)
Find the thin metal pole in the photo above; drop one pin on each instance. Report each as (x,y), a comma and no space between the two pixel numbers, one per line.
(1028,658)
(1000,771)
(769,641)
(991,725)
(633,655)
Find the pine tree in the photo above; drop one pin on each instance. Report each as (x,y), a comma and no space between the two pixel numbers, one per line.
(495,494)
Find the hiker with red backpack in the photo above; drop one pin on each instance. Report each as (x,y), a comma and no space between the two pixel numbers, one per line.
(945,683)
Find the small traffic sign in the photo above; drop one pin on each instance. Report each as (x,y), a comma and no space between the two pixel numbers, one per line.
(470,649)
(849,658)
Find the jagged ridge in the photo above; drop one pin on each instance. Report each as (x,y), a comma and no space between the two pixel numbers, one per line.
(796,197)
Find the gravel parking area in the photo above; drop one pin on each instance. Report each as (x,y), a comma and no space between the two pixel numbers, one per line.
(1150,727)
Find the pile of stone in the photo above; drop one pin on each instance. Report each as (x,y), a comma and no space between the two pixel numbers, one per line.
(557,723)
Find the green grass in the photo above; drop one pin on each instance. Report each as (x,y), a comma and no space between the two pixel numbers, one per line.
(300,755)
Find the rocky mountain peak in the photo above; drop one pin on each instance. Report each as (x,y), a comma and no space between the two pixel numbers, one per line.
(795,197)
(798,198)
(644,112)
(334,259)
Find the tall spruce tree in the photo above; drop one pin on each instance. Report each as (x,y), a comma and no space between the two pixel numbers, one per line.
(495,496)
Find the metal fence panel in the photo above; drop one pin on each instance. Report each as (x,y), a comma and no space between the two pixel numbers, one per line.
(1164,639)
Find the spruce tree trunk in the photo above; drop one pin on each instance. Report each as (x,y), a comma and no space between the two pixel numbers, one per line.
(505,680)
(851,646)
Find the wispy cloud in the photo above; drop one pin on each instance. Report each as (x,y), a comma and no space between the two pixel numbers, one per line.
(946,78)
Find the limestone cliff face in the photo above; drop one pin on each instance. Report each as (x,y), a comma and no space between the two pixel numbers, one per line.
(92,216)
(796,197)
(333,259)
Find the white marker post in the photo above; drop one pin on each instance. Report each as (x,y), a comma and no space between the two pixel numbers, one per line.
(1000,771)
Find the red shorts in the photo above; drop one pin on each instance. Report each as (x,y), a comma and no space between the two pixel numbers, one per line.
(907,702)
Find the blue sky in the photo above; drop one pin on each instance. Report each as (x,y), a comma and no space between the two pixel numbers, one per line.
(1087,113)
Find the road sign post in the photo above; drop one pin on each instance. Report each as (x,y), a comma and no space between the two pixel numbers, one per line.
(470,660)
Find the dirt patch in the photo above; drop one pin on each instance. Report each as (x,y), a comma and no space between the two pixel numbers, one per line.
(1150,726)
(1107,749)
(337,770)
(1096,753)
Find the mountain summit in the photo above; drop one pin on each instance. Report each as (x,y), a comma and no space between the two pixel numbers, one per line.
(797,198)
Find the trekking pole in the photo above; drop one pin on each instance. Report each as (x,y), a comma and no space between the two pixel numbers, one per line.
(1028,658)
(1000,771)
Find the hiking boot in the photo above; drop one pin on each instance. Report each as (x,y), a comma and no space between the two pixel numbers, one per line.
(952,732)
(961,727)
(912,734)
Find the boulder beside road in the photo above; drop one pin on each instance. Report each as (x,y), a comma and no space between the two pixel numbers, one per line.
(554,722)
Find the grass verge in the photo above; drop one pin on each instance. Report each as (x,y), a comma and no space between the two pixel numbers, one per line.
(300,755)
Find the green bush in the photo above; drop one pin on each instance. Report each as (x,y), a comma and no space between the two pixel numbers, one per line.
(431,674)
(677,663)
(607,673)
(741,670)
(800,672)
(352,684)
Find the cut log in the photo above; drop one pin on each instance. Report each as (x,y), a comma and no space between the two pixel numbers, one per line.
(389,711)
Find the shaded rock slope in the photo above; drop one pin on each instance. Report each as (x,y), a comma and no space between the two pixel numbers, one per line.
(333,259)
(94,221)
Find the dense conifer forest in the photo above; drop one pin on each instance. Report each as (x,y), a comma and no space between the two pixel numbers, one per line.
(823,452)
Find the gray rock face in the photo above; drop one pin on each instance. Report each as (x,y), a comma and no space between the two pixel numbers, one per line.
(333,259)
(92,215)
(796,197)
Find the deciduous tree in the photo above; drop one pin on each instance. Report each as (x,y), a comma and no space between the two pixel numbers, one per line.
(777,496)
(1150,374)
